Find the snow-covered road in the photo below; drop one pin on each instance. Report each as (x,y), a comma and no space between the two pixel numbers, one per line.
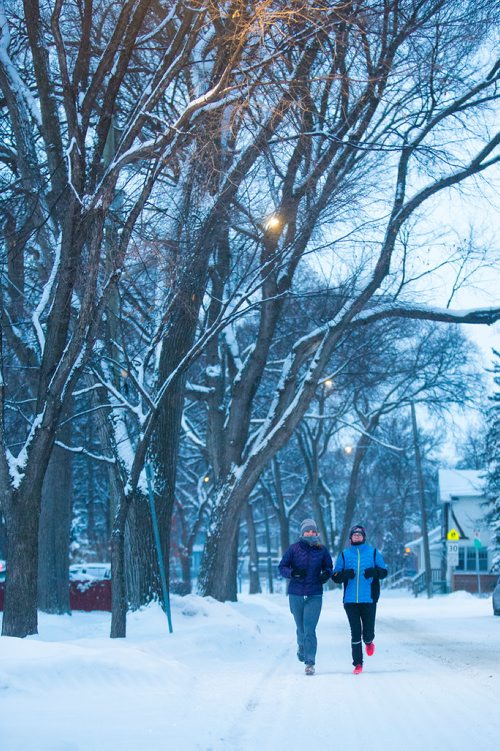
(228,680)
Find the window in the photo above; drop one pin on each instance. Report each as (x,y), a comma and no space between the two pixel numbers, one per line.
(467,559)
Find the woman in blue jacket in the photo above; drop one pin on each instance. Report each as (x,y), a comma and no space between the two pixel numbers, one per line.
(308,565)
(359,568)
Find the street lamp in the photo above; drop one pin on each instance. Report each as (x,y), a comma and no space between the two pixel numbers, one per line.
(273,223)
(348,449)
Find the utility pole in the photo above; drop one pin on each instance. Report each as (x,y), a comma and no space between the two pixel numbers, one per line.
(421,498)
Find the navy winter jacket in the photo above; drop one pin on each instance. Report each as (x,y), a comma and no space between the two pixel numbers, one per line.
(313,559)
(359,558)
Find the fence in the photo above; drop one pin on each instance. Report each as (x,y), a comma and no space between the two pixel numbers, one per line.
(83,595)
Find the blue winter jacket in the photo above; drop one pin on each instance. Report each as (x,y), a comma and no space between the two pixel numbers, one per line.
(314,559)
(359,558)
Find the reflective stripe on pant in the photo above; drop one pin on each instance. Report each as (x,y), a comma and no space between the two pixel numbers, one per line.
(361,617)
(305,611)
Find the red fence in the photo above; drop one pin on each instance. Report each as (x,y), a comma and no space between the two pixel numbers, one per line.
(469,583)
(90,595)
(83,595)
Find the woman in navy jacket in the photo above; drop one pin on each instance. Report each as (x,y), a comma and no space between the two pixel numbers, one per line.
(359,568)
(308,565)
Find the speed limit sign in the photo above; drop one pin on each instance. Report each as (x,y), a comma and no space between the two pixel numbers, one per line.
(452,554)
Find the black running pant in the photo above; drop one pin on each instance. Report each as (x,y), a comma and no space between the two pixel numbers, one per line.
(361,617)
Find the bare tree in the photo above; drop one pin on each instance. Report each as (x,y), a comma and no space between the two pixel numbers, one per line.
(411,364)
(367,123)
(64,101)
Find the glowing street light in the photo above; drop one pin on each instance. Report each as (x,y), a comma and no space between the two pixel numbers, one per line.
(328,383)
(273,223)
(348,449)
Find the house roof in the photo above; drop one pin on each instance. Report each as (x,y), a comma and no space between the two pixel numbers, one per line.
(460,483)
(435,539)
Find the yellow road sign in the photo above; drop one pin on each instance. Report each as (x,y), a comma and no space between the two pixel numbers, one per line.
(453,534)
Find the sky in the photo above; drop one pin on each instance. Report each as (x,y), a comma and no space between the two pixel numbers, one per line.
(471,211)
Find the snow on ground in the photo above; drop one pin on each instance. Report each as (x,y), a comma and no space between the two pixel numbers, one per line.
(227,679)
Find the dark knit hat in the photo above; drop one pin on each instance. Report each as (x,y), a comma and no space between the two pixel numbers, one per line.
(308,525)
(358,528)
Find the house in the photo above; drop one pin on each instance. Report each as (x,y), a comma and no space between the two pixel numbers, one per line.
(459,547)
(464,532)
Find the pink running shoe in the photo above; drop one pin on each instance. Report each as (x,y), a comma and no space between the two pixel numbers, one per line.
(357,669)
(370,649)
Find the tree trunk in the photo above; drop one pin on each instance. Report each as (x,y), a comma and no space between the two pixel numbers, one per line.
(141,567)
(20,608)
(309,447)
(185,547)
(185,561)
(91,526)
(359,455)
(350,504)
(118,585)
(3,535)
(421,500)
(284,532)
(318,511)
(253,564)
(179,337)
(54,533)
(280,507)
(166,450)
(218,578)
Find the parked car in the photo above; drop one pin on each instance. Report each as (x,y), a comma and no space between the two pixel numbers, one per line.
(90,586)
(83,571)
(496,598)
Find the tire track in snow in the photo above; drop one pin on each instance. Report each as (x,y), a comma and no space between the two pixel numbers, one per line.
(233,740)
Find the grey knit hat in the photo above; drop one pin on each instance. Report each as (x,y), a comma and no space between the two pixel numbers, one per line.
(308,525)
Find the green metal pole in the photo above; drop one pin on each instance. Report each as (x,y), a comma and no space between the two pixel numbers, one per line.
(166,596)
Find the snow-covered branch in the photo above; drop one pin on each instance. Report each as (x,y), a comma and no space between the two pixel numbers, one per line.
(85,452)
(486,316)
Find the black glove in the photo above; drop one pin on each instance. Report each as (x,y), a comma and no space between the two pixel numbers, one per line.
(324,576)
(299,573)
(342,576)
(375,572)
